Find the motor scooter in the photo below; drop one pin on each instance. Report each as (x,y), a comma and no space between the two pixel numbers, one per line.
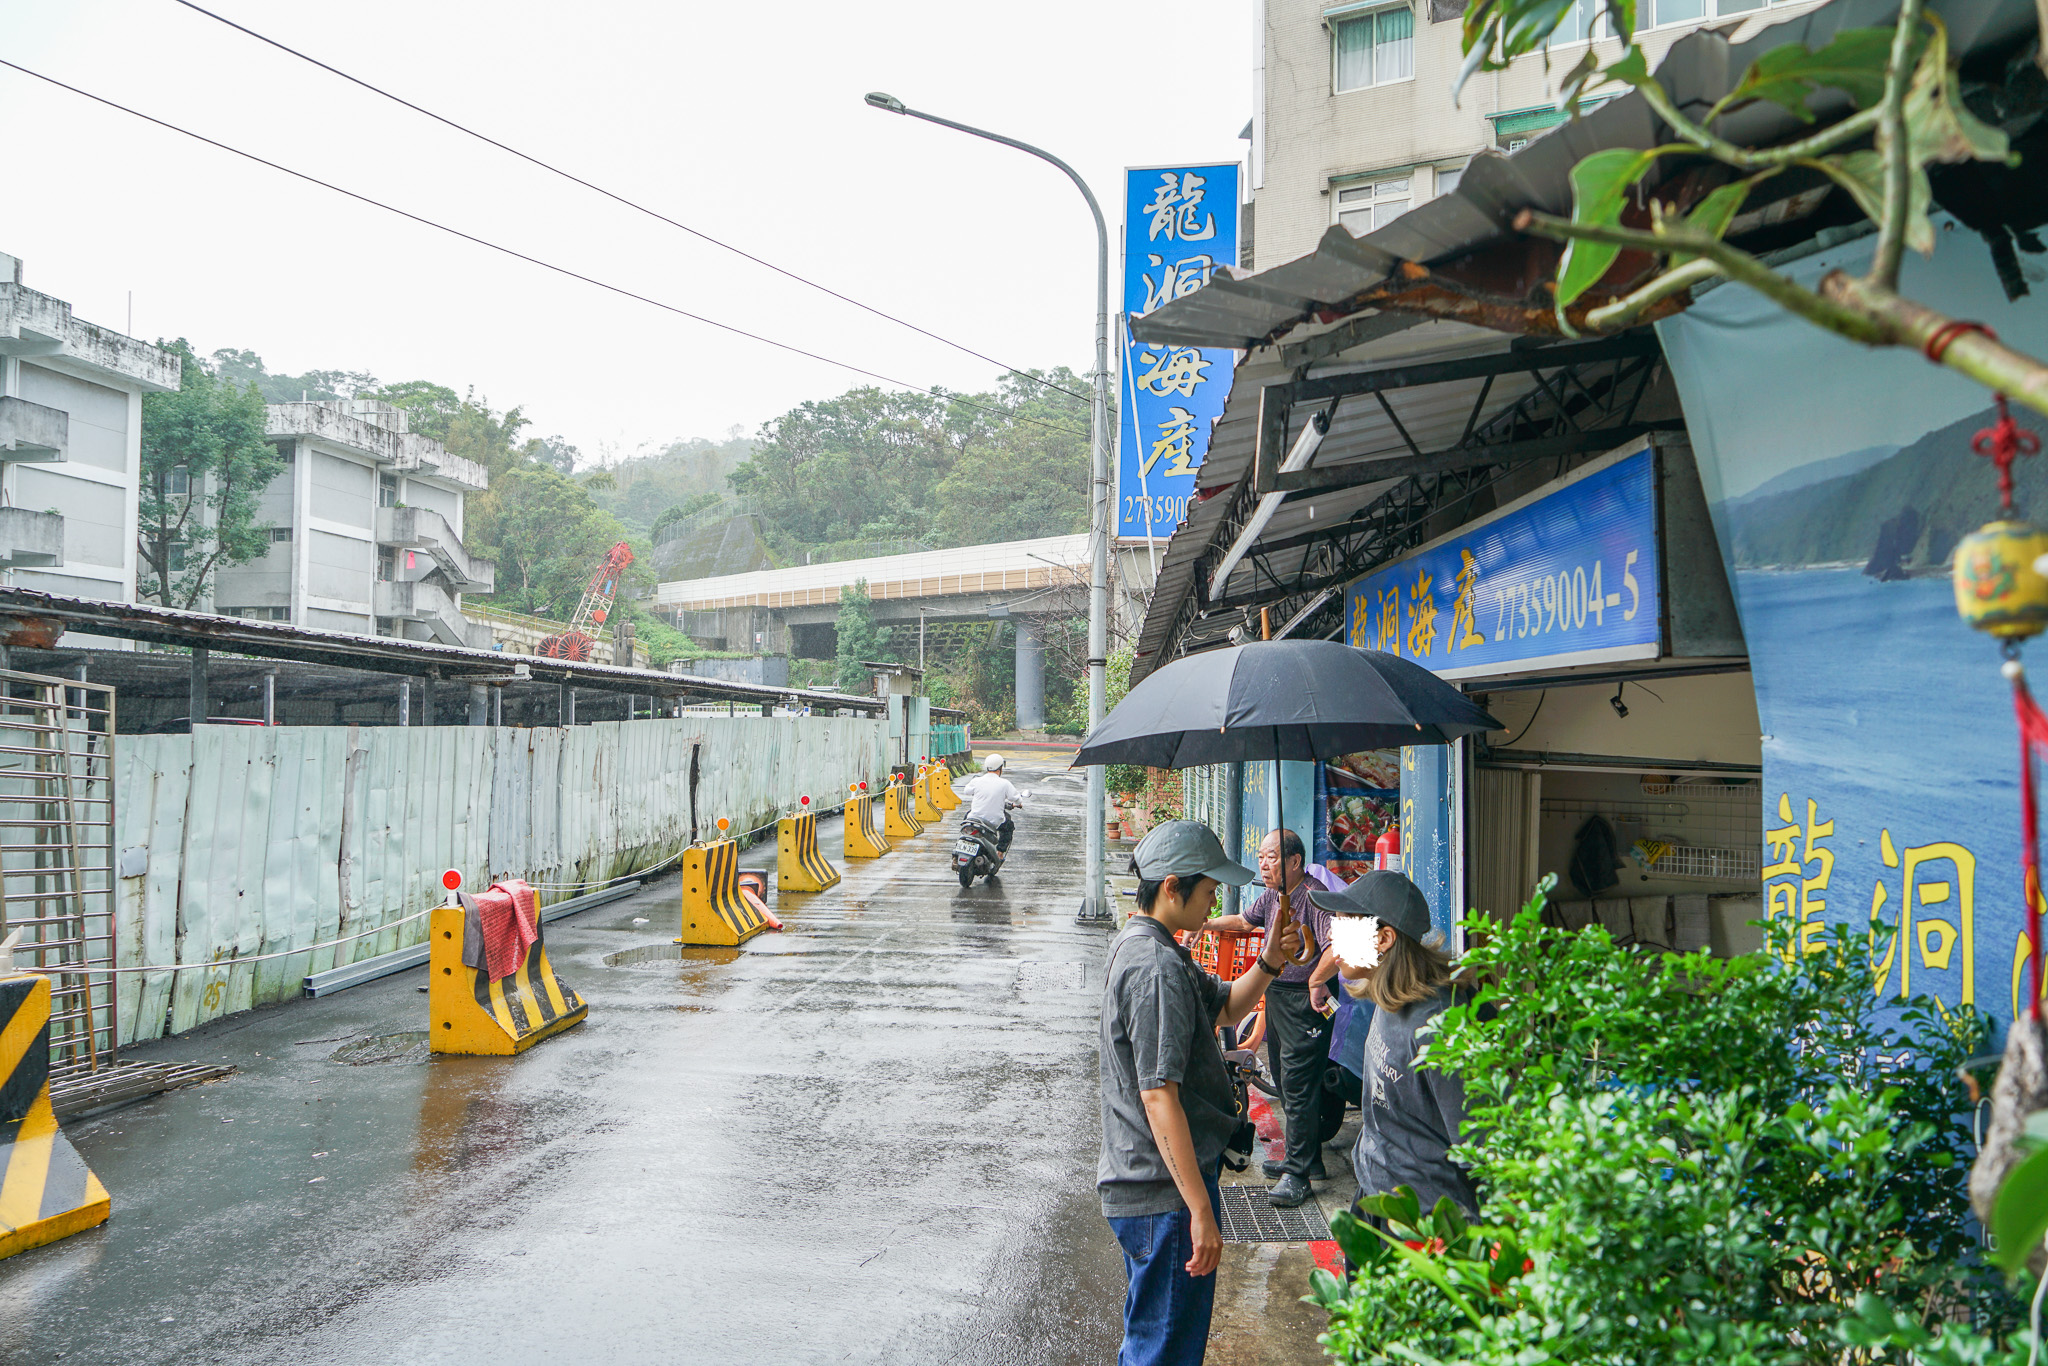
(975,854)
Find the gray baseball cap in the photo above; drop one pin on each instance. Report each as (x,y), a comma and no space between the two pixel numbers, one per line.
(1388,897)
(1187,849)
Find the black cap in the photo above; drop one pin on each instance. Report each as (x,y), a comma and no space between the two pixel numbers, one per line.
(1388,897)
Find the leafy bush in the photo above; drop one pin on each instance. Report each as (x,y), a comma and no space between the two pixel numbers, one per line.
(1683,1158)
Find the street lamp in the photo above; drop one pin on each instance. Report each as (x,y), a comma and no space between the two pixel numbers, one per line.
(1094,906)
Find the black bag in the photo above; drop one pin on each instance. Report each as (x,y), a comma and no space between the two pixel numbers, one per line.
(1594,857)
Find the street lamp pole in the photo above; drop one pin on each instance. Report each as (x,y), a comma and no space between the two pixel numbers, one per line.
(1094,905)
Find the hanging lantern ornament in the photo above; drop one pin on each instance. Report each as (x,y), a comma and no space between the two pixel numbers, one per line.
(1998,577)
(2001,590)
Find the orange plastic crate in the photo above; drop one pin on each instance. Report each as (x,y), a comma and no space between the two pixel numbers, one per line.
(1227,953)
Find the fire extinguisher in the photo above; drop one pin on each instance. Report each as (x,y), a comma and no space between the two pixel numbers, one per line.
(1386,851)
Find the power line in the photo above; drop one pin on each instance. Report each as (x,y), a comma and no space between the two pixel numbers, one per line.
(621,199)
(533,260)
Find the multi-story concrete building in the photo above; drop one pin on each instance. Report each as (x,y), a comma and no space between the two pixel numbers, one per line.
(1353,119)
(366,529)
(70,444)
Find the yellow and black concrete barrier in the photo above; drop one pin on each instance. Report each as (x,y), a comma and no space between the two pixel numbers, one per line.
(714,912)
(46,1190)
(926,810)
(473,1013)
(862,839)
(899,821)
(943,796)
(799,867)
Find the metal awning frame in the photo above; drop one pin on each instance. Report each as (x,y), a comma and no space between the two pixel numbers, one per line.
(36,620)
(1584,401)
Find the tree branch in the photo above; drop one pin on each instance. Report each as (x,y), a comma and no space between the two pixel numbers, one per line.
(1736,265)
(1857,125)
(1625,311)
(1893,142)
(1857,309)
(1990,362)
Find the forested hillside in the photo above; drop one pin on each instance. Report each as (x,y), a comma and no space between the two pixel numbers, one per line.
(956,470)
(1945,486)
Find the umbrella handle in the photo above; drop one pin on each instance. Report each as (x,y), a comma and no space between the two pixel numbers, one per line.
(1283,912)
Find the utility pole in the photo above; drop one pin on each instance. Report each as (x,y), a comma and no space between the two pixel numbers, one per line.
(1094,901)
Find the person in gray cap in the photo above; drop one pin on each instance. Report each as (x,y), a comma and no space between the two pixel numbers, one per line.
(1388,954)
(1168,1108)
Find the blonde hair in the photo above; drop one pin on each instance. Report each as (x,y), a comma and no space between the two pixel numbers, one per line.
(1407,972)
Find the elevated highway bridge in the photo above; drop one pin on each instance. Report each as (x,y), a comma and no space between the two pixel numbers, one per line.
(792,611)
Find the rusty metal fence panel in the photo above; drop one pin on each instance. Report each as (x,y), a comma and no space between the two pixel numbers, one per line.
(246,841)
(57,785)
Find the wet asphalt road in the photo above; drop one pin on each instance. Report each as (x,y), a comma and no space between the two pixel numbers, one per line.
(871,1138)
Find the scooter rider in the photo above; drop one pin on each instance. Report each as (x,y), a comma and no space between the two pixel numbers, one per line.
(989,799)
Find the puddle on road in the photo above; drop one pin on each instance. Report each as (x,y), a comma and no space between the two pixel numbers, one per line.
(411,1046)
(665,955)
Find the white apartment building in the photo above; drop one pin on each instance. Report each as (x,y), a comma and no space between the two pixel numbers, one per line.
(70,444)
(1353,120)
(366,529)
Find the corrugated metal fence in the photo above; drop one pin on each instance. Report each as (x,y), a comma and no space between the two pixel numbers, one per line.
(258,839)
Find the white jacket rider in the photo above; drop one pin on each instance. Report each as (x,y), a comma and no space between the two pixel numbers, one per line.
(989,797)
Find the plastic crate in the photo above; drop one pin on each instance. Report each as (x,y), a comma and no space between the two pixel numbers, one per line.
(1227,953)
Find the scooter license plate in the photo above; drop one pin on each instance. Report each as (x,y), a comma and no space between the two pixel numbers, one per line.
(966,847)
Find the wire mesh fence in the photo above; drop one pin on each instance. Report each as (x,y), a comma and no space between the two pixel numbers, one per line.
(57,874)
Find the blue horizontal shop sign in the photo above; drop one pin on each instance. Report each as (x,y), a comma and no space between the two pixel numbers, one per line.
(1566,577)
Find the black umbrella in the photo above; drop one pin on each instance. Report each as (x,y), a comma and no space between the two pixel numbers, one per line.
(1280,699)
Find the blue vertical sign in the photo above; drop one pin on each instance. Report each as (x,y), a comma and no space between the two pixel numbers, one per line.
(1180,223)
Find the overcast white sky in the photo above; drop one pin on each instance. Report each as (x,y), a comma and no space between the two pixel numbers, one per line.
(742,119)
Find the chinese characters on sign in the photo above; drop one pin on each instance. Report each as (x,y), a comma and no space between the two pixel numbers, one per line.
(1924,901)
(1180,223)
(1568,577)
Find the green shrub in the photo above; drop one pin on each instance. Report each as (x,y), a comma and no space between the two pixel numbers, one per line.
(1684,1158)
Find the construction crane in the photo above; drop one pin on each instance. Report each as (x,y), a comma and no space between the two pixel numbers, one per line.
(576,642)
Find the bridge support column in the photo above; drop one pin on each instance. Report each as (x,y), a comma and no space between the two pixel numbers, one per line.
(1030,675)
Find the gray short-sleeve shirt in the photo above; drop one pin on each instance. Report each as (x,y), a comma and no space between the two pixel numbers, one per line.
(1158,1025)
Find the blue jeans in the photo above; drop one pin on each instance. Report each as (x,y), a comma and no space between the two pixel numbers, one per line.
(1166,1313)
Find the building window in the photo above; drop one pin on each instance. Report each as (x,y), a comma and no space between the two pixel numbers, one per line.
(1447,181)
(1589,19)
(179,485)
(258,613)
(387,564)
(280,533)
(177,557)
(1365,208)
(387,490)
(285,450)
(387,626)
(1373,48)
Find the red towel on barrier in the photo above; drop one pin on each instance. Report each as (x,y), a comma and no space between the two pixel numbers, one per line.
(510,914)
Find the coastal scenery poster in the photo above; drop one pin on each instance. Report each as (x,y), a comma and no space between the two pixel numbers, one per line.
(1840,479)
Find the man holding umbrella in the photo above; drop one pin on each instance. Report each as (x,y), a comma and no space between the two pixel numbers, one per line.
(1168,1108)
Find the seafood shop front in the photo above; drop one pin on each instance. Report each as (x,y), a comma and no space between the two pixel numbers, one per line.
(1592,617)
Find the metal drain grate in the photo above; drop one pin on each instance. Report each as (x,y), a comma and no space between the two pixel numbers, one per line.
(1248,1216)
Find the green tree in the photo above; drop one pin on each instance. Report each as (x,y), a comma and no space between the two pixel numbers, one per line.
(860,640)
(1025,474)
(862,465)
(246,367)
(545,535)
(204,463)
(429,407)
